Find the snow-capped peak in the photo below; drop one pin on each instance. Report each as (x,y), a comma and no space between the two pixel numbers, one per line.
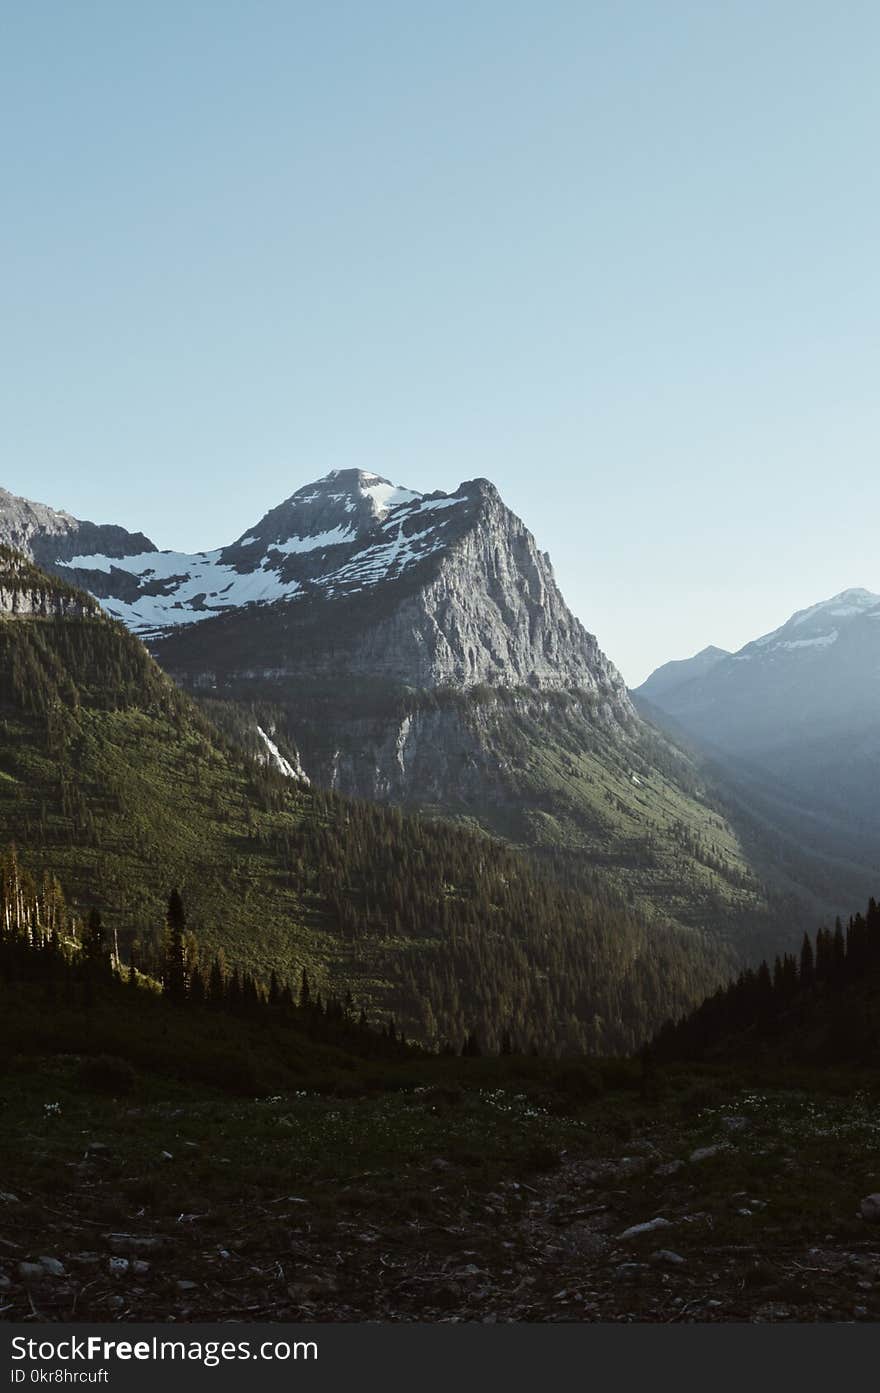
(843,606)
(816,627)
(341,534)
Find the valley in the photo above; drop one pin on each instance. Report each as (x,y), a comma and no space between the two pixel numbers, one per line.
(438,1030)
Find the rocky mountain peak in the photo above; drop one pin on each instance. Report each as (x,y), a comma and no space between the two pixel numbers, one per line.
(352,576)
(336,510)
(50,535)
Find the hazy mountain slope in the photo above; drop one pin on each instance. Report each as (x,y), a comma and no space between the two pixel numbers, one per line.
(794,720)
(672,675)
(816,676)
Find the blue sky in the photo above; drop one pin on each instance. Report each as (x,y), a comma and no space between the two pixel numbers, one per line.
(619,258)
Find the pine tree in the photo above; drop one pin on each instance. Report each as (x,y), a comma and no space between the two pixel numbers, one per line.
(808,970)
(174,966)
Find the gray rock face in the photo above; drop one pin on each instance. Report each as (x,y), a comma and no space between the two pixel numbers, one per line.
(46,535)
(491,613)
(351,578)
(27,593)
(473,602)
(437,750)
(40,603)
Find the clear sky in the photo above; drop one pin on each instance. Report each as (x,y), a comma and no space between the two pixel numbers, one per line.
(620,258)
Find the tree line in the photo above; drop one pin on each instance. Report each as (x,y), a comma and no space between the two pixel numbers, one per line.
(827,988)
(42,942)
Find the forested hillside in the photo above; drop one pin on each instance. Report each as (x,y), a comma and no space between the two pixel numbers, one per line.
(821,1006)
(113,781)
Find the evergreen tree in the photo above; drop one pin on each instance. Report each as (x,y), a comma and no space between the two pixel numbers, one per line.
(174,967)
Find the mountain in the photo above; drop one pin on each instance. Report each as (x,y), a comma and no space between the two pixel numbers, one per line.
(378,581)
(115,782)
(794,716)
(48,536)
(670,676)
(415,649)
(820,671)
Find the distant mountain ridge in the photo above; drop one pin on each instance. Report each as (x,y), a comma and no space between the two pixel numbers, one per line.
(819,670)
(794,717)
(674,674)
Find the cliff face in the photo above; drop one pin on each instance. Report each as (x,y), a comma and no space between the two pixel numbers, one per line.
(49,536)
(23,601)
(462,753)
(25,592)
(473,602)
(491,613)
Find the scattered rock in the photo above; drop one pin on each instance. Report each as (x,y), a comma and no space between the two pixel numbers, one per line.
(669,1168)
(31,1271)
(165,1156)
(630,1271)
(665,1257)
(870,1208)
(438,1164)
(631,1165)
(7,1198)
(185,1285)
(651,1226)
(52,1267)
(705,1153)
(771,1311)
(117,1267)
(140,1268)
(5,1283)
(122,1243)
(735,1124)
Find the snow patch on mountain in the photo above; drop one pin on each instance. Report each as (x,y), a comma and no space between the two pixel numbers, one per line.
(276,758)
(842,606)
(820,641)
(370,529)
(817,627)
(336,536)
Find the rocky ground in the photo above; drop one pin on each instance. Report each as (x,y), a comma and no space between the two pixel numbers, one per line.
(747,1208)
